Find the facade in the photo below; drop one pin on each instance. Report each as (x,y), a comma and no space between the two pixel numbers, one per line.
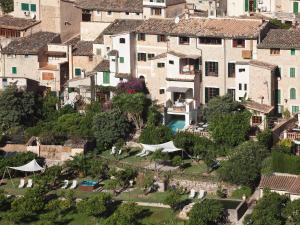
(283,184)
(214,8)
(281,47)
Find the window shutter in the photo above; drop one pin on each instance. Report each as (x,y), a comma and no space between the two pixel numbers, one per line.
(217,68)
(33,7)
(14,70)
(121,59)
(217,92)
(25,7)
(292,72)
(106,77)
(206,95)
(77,71)
(293,51)
(234,43)
(206,68)
(293,93)
(246,5)
(278,96)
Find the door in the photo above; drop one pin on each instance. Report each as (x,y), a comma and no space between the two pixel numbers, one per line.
(296,7)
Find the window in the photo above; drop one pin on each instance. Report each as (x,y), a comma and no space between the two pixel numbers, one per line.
(91,58)
(142,57)
(240,86)
(211,93)
(231,92)
(122,41)
(156,11)
(184,40)
(292,72)
(256,119)
(113,59)
(171,62)
(245,87)
(241,70)
(109,13)
(106,78)
(151,56)
(98,51)
(137,14)
(161,38)
(26,56)
(238,43)
(25,7)
(211,69)
(160,65)
(274,51)
(122,59)
(141,37)
(292,93)
(33,7)
(77,72)
(293,51)
(127,13)
(161,91)
(210,41)
(14,70)
(231,69)
(295,109)
(278,96)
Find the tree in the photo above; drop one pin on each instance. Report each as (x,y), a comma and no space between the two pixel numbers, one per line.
(95,205)
(265,138)
(134,106)
(292,212)
(79,164)
(155,134)
(7,6)
(124,176)
(173,199)
(109,127)
(98,169)
(244,164)
(220,105)
(18,108)
(126,214)
(208,212)
(269,210)
(230,129)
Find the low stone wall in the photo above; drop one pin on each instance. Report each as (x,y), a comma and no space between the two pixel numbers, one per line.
(14,148)
(208,186)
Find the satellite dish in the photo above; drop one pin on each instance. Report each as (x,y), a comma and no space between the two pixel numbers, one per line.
(177,19)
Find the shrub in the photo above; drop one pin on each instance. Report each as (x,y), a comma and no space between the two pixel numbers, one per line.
(265,138)
(156,135)
(239,193)
(284,163)
(177,161)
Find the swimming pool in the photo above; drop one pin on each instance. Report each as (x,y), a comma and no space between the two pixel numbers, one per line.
(176,124)
(88,185)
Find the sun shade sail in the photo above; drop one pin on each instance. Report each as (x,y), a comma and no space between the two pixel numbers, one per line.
(32,166)
(166,147)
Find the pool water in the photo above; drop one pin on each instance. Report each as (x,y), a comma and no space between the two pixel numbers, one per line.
(89,183)
(175,125)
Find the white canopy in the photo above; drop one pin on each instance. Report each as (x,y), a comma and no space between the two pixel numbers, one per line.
(32,166)
(166,147)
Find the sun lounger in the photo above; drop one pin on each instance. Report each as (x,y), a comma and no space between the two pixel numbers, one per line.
(22,183)
(29,183)
(66,183)
(74,184)
(202,194)
(192,194)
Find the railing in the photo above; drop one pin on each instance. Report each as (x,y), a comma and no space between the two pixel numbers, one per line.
(292,135)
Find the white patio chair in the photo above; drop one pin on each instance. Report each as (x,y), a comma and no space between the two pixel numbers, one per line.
(202,194)
(22,183)
(74,184)
(192,194)
(29,183)
(66,183)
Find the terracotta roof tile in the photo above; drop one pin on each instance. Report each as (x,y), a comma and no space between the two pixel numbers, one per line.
(83,48)
(102,66)
(14,23)
(122,26)
(258,106)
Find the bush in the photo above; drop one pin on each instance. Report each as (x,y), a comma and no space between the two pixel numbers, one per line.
(177,161)
(174,199)
(239,193)
(156,135)
(285,163)
(265,138)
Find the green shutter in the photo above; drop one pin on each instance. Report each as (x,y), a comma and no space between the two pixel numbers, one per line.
(292,72)
(254,5)
(278,96)
(33,7)
(77,72)
(206,95)
(106,77)
(121,59)
(292,93)
(296,7)
(25,6)
(246,5)
(295,109)
(14,70)
(293,51)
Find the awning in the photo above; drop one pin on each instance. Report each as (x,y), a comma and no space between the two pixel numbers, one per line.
(178,89)
(32,166)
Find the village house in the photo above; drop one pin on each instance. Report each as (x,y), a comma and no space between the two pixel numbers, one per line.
(38,57)
(208,8)
(188,61)
(281,48)
(57,16)
(283,184)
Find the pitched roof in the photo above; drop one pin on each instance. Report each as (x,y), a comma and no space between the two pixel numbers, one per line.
(263,64)
(204,27)
(83,48)
(258,107)
(102,66)
(281,38)
(14,23)
(73,41)
(31,45)
(122,26)
(281,182)
(113,53)
(135,6)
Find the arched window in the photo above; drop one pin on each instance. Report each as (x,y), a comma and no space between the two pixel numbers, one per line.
(292,93)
